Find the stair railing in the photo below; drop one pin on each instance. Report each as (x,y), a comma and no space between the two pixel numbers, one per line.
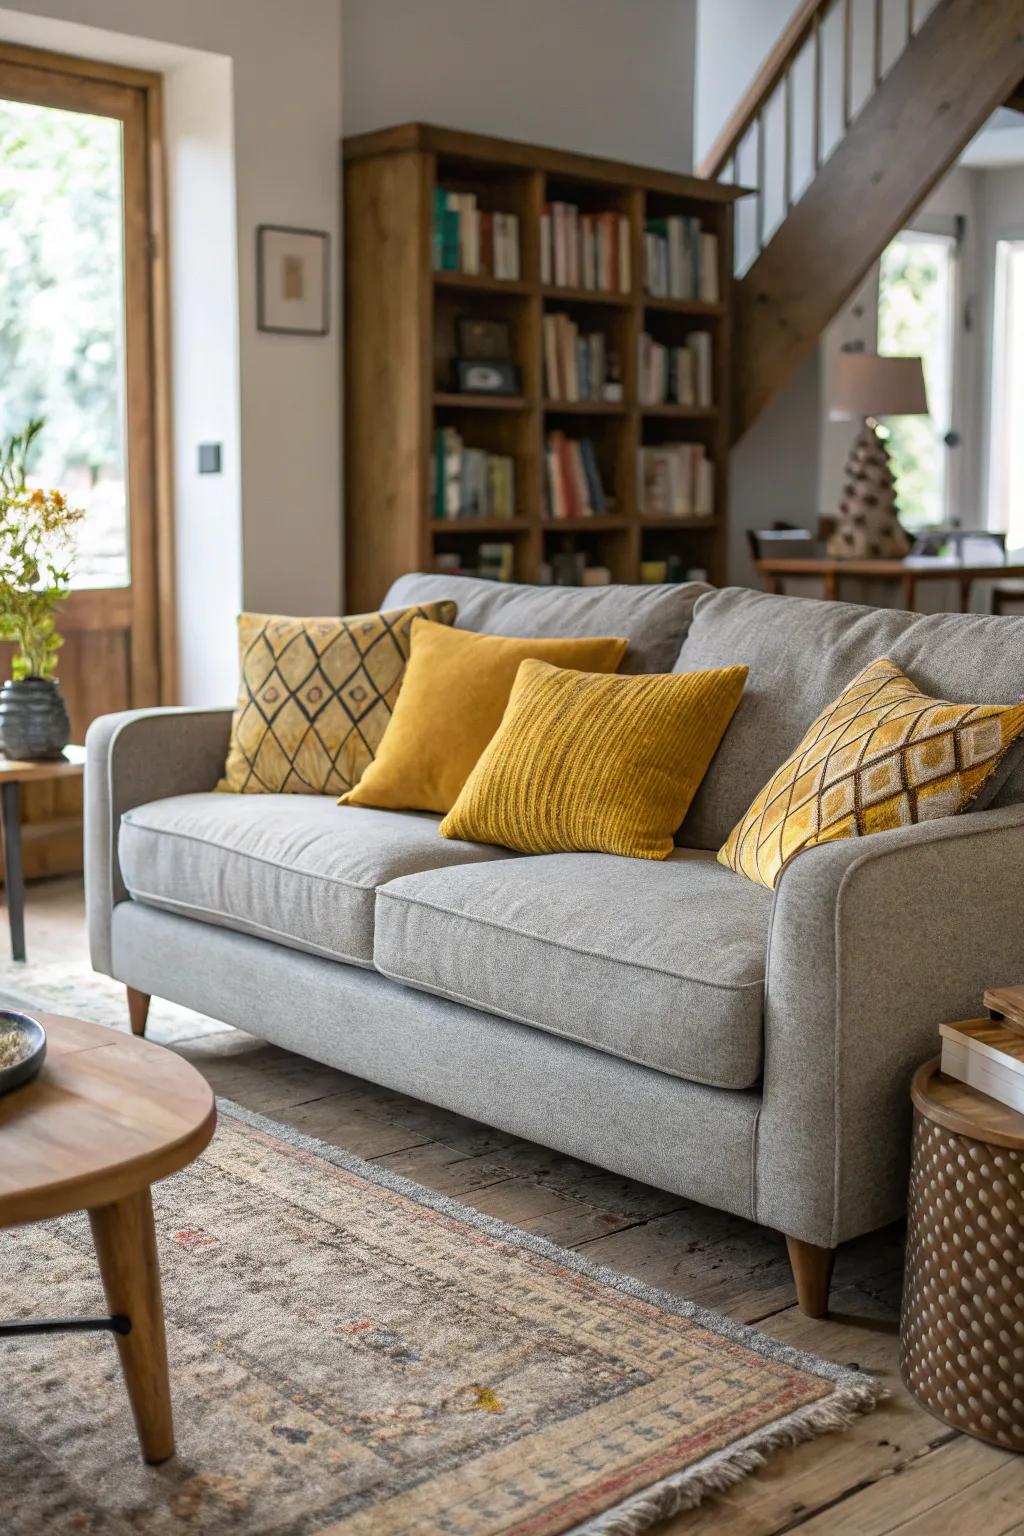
(827,31)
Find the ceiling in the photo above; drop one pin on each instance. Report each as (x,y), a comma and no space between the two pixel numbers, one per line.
(1000,142)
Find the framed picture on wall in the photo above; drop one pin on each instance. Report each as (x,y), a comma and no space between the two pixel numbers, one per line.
(292,280)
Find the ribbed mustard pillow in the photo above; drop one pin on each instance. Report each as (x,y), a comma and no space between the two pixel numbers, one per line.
(882,755)
(315,697)
(596,764)
(454,694)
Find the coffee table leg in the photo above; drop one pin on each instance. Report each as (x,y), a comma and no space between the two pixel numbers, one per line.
(125,1242)
(14,879)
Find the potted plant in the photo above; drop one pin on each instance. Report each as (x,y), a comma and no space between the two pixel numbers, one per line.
(36,539)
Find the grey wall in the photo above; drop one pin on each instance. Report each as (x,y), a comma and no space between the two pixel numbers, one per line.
(774,469)
(602,77)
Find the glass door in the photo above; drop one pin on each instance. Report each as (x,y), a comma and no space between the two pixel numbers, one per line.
(77,350)
(62,330)
(917,317)
(1006,472)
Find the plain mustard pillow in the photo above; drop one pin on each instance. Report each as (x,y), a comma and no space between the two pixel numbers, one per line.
(596,764)
(882,755)
(453,695)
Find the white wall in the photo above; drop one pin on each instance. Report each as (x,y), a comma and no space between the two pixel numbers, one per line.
(266,153)
(774,468)
(602,77)
(733,39)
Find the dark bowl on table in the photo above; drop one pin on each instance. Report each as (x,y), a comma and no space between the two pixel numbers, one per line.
(25,1069)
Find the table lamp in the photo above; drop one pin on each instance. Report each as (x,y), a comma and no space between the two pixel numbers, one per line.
(867,385)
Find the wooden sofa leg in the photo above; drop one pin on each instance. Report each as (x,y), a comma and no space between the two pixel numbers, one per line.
(138,1008)
(812,1273)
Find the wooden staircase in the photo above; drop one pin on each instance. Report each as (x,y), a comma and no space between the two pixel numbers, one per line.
(922,107)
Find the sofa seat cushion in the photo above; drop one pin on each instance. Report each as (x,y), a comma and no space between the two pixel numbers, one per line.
(291,868)
(658,963)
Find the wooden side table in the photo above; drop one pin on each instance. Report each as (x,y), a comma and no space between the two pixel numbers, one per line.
(962,1320)
(107,1116)
(12,775)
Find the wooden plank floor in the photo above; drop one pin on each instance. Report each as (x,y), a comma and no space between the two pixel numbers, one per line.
(896,1470)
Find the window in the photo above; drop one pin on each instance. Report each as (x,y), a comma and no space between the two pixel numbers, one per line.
(916,318)
(1006,477)
(62,316)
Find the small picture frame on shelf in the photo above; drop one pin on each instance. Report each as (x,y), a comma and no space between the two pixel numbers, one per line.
(292,280)
(483,341)
(474,377)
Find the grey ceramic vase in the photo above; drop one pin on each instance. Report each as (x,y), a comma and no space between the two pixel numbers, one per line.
(34,722)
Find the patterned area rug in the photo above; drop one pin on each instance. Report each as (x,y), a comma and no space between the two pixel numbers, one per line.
(354,1354)
(73,987)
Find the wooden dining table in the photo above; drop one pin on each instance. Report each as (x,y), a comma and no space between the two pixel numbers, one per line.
(907,573)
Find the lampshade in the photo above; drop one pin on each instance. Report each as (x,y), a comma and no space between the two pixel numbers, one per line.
(867,384)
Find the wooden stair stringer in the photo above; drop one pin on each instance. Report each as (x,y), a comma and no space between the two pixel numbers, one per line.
(963,63)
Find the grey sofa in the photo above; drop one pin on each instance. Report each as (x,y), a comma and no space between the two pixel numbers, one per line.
(670,1021)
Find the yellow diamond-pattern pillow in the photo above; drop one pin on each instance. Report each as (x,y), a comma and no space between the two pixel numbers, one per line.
(882,755)
(315,697)
(588,763)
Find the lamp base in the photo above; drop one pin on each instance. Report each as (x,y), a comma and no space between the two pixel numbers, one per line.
(867,527)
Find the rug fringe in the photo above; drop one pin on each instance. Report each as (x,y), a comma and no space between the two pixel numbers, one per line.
(722,1471)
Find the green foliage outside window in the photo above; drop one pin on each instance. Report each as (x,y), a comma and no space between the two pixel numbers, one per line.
(913,320)
(61,313)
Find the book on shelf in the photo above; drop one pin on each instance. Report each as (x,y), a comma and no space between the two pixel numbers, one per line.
(676,480)
(584,250)
(478,242)
(986,1055)
(494,562)
(680,375)
(680,260)
(573,476)
(469,482)
(578,367)
(571,569)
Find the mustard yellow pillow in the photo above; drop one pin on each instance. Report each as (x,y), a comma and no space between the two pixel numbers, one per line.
(455,690)
(596,764)
(315,697)
(882,755)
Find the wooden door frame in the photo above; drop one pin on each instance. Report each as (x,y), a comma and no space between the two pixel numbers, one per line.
(152,544)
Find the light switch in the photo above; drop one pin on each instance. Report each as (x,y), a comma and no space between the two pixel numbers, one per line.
(209,458)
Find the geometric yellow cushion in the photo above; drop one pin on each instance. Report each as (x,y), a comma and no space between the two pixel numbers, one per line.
(882,755)
(454,695)
(315,697)
(601,764)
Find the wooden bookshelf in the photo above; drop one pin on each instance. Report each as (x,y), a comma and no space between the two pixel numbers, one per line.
(400,347)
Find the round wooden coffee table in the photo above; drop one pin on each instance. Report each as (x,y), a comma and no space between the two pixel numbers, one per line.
(106,1117)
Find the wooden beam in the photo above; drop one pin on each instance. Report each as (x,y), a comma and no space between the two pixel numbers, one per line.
(1015,100)
(959,66)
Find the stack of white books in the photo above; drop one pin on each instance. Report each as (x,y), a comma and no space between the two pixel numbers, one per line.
(986,1054)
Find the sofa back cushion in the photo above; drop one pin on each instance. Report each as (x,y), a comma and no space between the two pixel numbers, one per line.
(802,653)
(653,619)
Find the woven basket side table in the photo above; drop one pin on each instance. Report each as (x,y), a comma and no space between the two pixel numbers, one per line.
(962,1319)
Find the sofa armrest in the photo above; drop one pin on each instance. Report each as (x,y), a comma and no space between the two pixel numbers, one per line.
(131,758)
(873,943)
